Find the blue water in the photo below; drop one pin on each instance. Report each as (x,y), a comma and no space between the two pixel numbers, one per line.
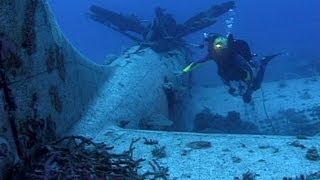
(269,26)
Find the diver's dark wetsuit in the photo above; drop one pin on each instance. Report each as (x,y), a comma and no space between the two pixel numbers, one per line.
(234,62)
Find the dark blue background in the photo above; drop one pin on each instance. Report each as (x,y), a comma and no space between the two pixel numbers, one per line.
(269,26)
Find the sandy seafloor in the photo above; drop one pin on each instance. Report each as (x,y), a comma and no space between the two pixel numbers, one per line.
(272,157)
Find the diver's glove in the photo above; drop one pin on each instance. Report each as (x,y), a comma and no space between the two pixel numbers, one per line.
(189,68)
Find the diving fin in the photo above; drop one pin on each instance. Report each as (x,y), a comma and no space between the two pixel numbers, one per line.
(266,59)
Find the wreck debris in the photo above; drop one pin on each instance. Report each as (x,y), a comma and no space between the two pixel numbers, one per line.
(29,34)
(206,18)
(116,20)
(155,122)
(298,122)
(163,33)
(209,122)
(313,154)
(298,144)
(56,99)
(236,159)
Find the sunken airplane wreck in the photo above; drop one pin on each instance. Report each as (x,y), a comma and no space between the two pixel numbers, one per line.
(44,107)
(60,113)
(164,32)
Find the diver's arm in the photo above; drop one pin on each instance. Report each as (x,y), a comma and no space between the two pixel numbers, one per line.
(195,64)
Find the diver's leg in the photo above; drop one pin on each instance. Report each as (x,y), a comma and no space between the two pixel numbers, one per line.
(247,96)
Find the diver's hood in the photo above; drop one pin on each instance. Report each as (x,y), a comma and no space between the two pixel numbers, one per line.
(220,43)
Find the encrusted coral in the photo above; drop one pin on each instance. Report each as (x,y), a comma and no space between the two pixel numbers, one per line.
(56,60)
(61,65)
(10,57)
(55,99)
(28,31)
(209,122)
(299,122)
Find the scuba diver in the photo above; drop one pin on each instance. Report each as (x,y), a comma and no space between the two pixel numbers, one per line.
(235,62)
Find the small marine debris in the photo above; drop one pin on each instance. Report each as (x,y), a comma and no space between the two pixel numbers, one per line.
(159,152)
(150,141)
(155,122)
(313,154)
(264,146)
(267,146)
(306,95)
(236,159)
(297,143)
(248,176)
(282,84)
(199,145)
(243,145)
(226,150)
(123,123)
(312,176)
(186,151)
(302,137)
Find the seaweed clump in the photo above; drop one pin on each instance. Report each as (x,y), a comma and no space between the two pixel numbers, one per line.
(77,157)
